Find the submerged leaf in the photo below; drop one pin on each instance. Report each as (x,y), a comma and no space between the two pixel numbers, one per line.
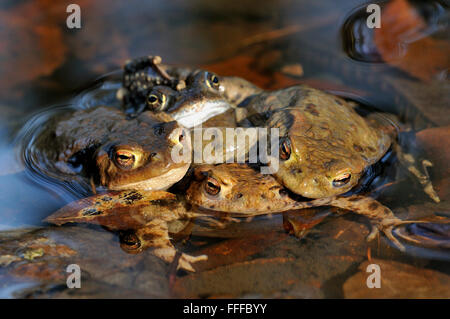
(403,42)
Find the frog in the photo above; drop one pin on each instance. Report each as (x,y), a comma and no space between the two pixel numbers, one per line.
(153,216)
(240,190)
(228,191)
(190,96)
(101,148)
(325,146)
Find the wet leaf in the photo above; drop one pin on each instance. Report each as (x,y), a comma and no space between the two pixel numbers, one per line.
(39,51)
(253,70)
(402,42)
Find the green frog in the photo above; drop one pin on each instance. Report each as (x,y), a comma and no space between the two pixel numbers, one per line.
(104,147)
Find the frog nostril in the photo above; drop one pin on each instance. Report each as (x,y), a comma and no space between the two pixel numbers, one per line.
(181,137)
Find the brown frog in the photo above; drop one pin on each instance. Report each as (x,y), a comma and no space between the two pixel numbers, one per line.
(224,190)
(242,191)
(143,218)
(190,96)
(325,146)
(102,145)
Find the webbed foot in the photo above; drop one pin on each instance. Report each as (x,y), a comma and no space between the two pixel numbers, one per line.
(184,262)
(381,217)
(156,235)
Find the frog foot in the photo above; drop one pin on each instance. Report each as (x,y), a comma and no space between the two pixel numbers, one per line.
(427,185)
(387,226)
(381,217)
(184,262)
(156,236)
(419,171)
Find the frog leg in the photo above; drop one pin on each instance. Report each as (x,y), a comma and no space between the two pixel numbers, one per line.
(132,66)
(381,217)
(418,170)
(156,235)
(154,62)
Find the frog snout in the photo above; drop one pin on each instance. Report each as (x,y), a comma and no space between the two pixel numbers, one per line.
(178,136)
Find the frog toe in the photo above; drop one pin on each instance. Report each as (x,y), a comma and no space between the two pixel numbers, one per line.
(185,262)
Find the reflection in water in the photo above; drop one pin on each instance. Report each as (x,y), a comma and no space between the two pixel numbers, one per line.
(357,38)
(200,33)
(421,19)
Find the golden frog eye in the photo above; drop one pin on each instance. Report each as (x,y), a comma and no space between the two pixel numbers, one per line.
(124,159)
(342,180)
(129,241)
(156,102)
(285,149)
(212,186)
(212,81)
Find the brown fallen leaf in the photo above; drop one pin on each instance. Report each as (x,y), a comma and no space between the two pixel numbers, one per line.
(402,42)
(253,70)
(30,45)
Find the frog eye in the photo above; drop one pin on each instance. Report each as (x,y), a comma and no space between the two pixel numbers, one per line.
(129,241)
(212,186)
(155,101)
(212,81)
(285,149)
(124,159)
(342,180)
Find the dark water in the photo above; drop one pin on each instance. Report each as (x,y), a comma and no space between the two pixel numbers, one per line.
(337,53)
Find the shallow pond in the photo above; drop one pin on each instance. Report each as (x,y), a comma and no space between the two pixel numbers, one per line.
(401,68)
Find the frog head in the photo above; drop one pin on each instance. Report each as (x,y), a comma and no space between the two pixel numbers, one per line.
(202,98)
(140,155)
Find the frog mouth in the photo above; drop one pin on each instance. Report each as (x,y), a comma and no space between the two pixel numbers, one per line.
(194,117)
(161,182)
